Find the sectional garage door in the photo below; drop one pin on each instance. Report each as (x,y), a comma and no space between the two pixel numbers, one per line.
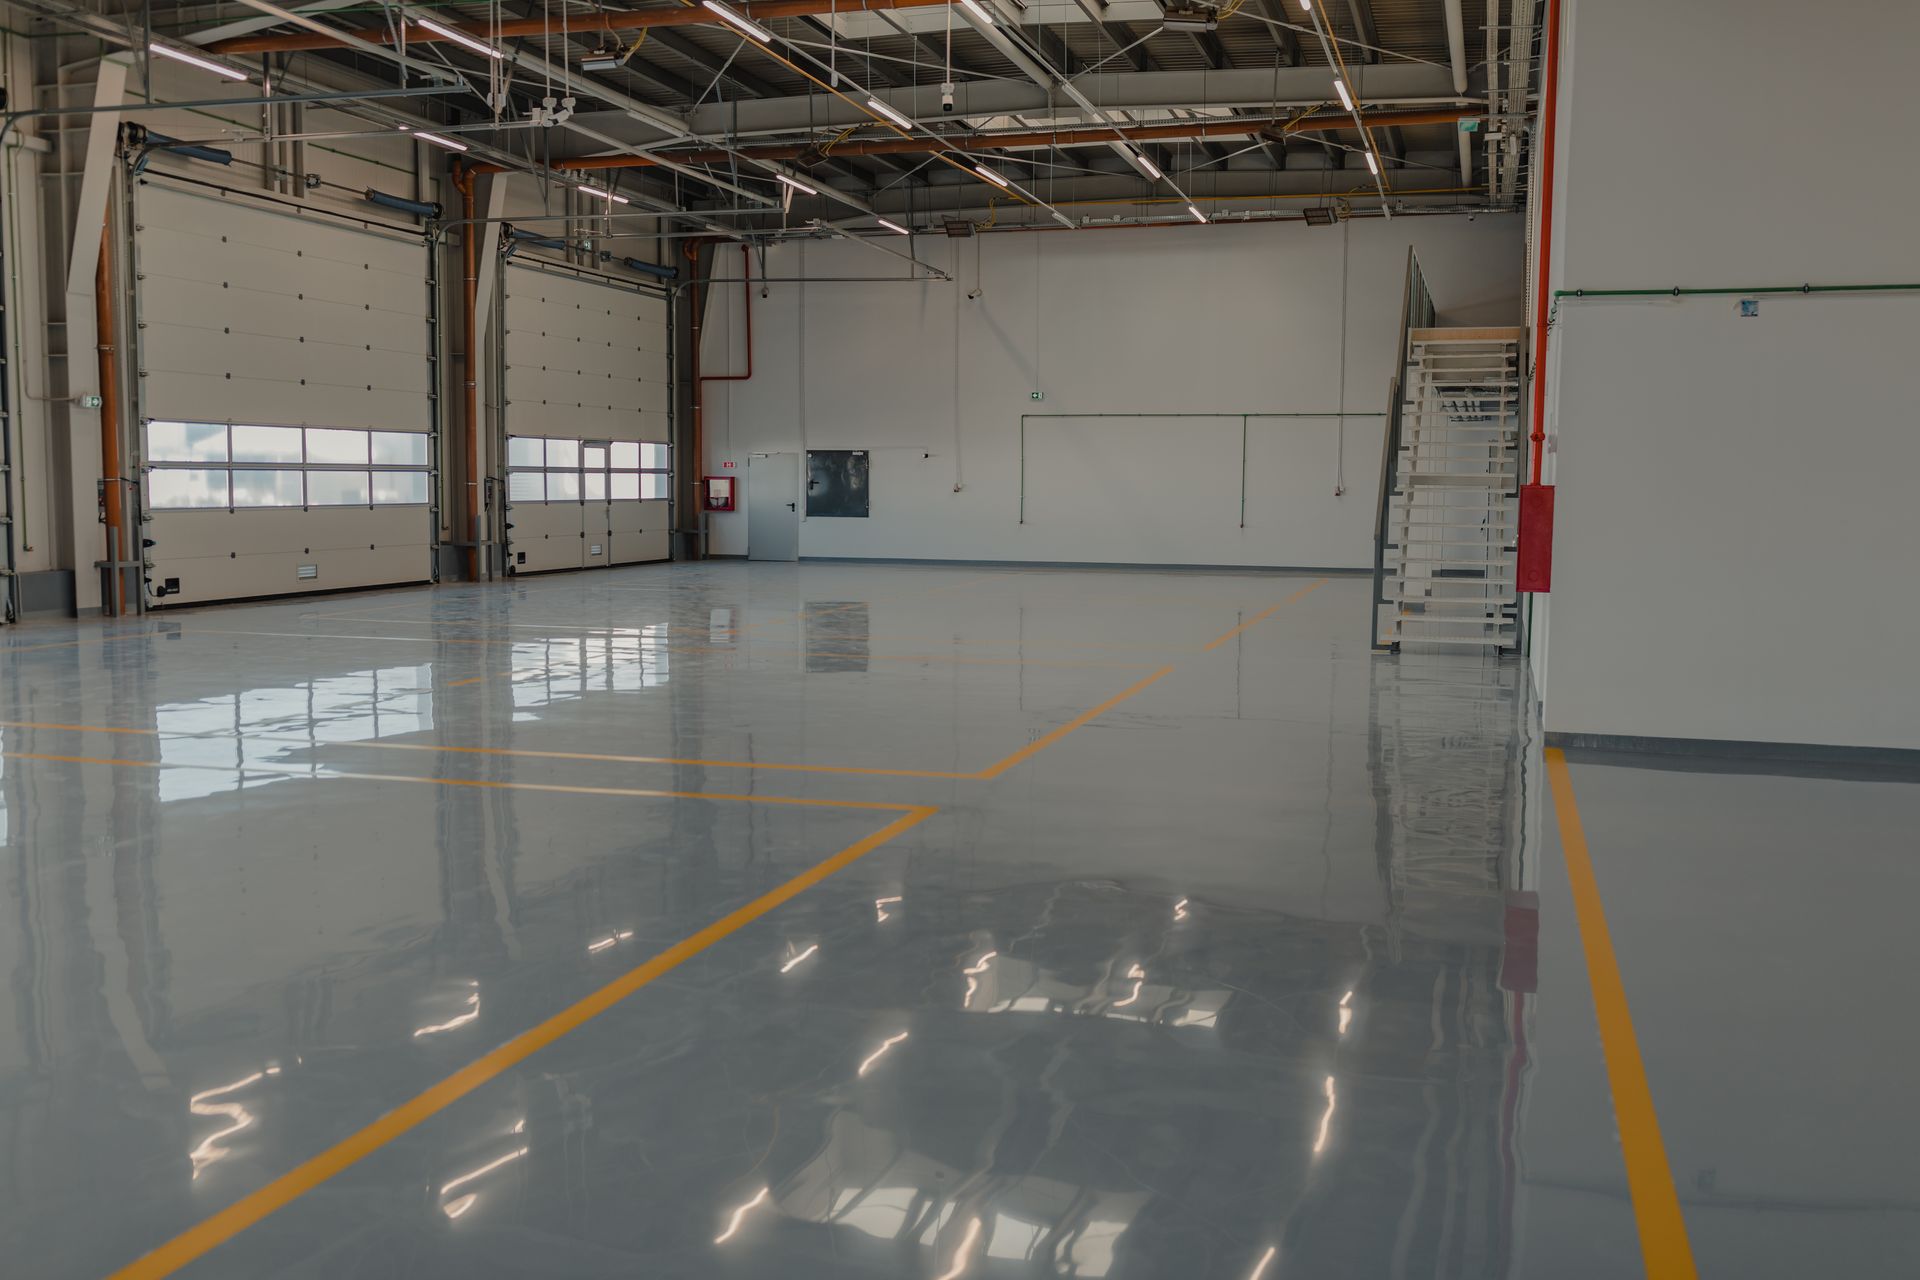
(285,397)
(587,408)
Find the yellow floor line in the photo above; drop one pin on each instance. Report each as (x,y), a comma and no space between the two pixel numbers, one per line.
(1263,615)
(1656,1205)
(1038,745)
(322,774)
(237,1217)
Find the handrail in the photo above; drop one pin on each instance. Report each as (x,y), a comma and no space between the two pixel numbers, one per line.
(1416,312)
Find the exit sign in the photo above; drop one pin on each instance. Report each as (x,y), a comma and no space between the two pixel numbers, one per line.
(1036,395)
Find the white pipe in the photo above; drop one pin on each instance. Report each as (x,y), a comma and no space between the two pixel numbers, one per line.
(1493,94)
(1457,55)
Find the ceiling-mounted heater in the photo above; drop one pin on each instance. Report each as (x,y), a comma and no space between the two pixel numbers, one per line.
(958,228)
(1321,216)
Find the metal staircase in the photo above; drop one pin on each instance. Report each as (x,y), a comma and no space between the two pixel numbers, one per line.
(1449,494)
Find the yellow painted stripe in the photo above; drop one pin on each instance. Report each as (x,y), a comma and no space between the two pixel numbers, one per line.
(1035,747)
(559,788)
(1263,615)
(594,757)
(1656,1205)
(235,1218)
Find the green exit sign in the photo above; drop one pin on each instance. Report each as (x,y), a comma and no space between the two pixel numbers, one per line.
(1036,395)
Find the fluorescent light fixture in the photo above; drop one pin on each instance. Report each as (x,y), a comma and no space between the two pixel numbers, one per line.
(978,10)
(1306,6)
(1198,216)
(604,195)
(991,176)
(744,24)
(439,141)
(205,64)
(1340,87)
(796,184)
(893,226)
(887,111)
(460,38)
(1373,166)
(1144,165)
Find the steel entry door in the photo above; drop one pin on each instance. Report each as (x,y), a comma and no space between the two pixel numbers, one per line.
(773,507)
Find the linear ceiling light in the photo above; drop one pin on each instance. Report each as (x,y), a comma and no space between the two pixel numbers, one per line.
(1146,165)
(1306,6)
(1198,216)
(1340,87)
(897,117)
(978,10)
(991,176)
(460,38)
(439,141)
(893,226)
(1373,166)
(604,195)
(204,64)
(796,184)
(744,24)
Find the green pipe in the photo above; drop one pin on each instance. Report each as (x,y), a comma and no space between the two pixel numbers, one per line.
(1679,292)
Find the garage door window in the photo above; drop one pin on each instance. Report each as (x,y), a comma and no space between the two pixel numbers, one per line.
(209,465)
(554,469)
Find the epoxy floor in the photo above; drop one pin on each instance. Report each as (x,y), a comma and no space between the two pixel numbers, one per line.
(756,920)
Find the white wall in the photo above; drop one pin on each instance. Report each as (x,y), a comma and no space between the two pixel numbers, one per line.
(1734,551)
(1223,320)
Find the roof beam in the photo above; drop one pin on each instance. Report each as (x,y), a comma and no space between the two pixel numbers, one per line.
(712,63)
(1363,24)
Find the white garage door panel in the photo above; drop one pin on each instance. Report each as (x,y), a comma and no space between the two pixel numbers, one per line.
(586,360)
(248,314)
(638,531)
(229,555)
(548,535)
(256,313)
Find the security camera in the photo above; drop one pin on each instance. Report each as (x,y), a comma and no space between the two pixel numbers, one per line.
(946,96)
(973,295)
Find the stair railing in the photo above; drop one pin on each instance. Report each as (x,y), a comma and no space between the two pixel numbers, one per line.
(1416,312)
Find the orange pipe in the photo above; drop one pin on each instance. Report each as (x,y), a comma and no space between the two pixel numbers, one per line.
(1550,111)
(1324,123)
(109,413)
(580,23)
(470,391)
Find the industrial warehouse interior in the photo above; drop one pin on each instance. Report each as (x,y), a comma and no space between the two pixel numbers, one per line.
(958,640)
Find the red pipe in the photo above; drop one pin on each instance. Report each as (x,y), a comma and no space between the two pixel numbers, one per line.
(470,374)
(698,401)
(1550,113)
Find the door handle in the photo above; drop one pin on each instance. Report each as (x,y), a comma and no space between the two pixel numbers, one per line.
(792,507)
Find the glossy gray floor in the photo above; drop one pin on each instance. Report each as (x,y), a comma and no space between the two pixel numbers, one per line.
(1147,925)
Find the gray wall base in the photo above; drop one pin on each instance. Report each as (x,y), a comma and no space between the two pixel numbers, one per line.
(1717,755)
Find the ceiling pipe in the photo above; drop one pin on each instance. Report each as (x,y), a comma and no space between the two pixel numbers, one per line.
(578,24)
(1039,138)
(1457,57)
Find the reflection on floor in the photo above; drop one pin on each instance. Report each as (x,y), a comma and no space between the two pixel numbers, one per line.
(1231,950)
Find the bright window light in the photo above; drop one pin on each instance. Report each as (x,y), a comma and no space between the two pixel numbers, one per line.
(887,111)
(460,38)
(1373,166)
(1346,99)
(205,64)
(991,176)
(439,141)
(1195,211)
(733,19)
(893,226)
(796,184)
(604,195)
(978,10)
